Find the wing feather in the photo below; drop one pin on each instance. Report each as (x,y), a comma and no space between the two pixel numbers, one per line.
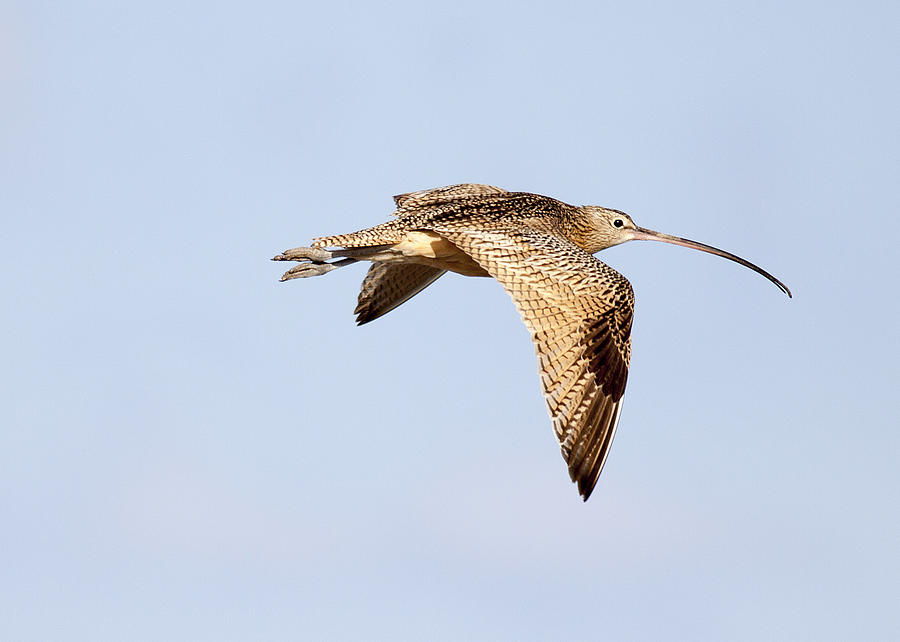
(579,312)
(441,195)
(388,285)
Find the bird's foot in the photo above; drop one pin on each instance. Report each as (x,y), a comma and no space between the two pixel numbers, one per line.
(312,262)
(305,270)
(314,254)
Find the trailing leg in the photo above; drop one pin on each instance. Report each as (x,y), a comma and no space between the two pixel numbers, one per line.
(312,262)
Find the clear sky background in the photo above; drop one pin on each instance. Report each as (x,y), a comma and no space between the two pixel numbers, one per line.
(192,450)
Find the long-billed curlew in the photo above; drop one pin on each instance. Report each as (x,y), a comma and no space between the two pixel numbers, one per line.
(578,309)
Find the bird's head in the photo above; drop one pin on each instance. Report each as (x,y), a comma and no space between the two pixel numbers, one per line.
(607,227)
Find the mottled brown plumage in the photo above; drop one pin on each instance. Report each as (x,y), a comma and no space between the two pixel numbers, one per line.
(387,285)
(577,309)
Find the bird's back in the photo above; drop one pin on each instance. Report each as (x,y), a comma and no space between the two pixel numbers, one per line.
(466,206)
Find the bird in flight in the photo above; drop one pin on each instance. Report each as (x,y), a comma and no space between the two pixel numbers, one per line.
(577,309)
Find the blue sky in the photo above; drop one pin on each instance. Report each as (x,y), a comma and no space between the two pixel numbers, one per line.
(192,450)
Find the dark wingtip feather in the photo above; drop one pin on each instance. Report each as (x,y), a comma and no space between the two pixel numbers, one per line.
(585,492)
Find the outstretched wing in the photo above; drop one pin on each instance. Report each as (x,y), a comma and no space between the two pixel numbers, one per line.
(387,285)
(579,312)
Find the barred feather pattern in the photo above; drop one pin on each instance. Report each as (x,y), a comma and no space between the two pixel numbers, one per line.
(387,285)
(579,312)
(415,201)
(462,205)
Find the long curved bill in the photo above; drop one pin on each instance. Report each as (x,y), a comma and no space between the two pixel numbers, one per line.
(643,234)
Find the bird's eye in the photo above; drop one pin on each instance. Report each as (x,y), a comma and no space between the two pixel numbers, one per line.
(618,222)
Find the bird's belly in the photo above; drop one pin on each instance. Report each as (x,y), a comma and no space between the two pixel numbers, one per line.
(430,248)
